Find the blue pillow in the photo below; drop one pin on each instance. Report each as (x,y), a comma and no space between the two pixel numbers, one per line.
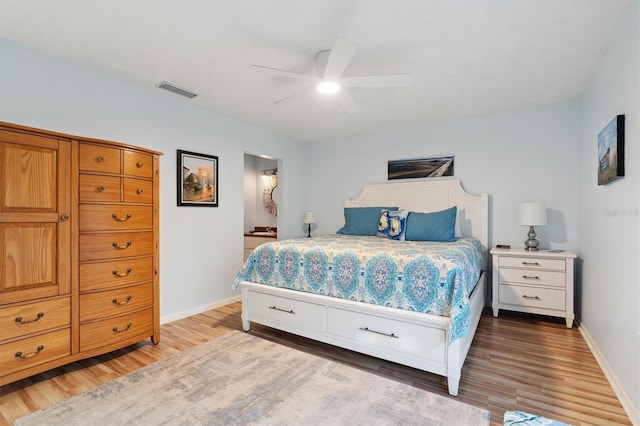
(392,224)
(362,220)
(436,226)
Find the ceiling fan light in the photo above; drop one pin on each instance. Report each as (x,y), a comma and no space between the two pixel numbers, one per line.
(328,87)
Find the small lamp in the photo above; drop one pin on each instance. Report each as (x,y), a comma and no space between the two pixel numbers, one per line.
(531,214)
(308,220)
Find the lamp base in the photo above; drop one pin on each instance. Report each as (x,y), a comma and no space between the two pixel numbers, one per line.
(309,231)
(532,243)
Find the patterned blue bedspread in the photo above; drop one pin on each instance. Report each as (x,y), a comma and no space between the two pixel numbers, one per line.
(429,277)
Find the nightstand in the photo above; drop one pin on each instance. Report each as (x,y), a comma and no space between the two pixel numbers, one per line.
(538,282)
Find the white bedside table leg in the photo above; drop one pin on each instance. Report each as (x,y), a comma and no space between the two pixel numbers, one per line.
(495,311)
(569,322)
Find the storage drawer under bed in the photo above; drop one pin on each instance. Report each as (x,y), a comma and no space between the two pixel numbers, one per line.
(388,334)
(294,313)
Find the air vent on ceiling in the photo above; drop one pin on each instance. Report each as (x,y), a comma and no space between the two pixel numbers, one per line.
(174,89)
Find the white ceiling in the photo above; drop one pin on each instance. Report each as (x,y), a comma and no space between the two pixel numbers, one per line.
(467,57)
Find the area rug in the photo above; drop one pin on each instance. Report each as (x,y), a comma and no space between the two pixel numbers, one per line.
(242,379)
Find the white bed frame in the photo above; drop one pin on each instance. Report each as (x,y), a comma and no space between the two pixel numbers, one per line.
(409,338)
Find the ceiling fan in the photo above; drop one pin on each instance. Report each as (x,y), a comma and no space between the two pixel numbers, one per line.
(330,65)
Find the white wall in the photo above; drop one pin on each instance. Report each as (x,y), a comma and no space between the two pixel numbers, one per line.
(516,157)
(201,248)
(608,220)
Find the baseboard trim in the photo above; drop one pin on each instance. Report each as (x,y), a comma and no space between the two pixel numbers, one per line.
(198,309)
(627,403)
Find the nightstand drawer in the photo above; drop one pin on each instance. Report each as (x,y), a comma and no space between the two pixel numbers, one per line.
(532,263)
(532,296)
(527,276)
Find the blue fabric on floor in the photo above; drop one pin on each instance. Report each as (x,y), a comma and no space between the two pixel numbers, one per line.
(520,418)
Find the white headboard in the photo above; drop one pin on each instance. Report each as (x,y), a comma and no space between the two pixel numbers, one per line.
(429,196)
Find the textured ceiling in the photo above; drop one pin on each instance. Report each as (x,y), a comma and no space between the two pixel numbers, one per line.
(467,57)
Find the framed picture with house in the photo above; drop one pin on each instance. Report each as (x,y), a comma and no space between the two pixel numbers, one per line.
(197,179)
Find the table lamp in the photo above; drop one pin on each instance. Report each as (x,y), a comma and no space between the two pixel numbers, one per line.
(532,214)
(308,220)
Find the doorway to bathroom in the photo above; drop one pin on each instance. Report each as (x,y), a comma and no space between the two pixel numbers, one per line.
(261,198)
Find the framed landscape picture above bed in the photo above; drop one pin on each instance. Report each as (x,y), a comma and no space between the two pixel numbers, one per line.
(197,179)
(611,151)
(420,168)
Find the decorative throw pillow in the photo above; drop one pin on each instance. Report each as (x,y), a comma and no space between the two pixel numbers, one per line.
(434,226)
(362,220)
(392,224)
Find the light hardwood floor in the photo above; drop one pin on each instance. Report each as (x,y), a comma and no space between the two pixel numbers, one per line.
(516,362)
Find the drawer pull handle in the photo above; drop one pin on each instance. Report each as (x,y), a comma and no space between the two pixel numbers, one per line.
(31,355)
(19,320)
(115,329)
(282,310)
(380,332)
(115,244)
(117,275)
(100,159)
(124,302)
(531,263)
(527,277)
(101,188)
(121,219)
(139,164)
(524,296)
(64,217)
(139,191)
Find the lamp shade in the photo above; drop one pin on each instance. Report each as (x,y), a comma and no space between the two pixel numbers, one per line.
(532,214)
(308,218)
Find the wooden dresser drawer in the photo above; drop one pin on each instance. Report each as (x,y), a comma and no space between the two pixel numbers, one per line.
(138,191)
(99,158)
(527,276)
(532,263)
(117,301)
(115,245)
(34,317)
(545,298)
(287,311)
(114,217)
(131,327)
(96,188)
(383,333)
(116,273)
(138,164)
(35,350)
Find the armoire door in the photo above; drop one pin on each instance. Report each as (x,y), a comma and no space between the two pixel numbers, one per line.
(35,216)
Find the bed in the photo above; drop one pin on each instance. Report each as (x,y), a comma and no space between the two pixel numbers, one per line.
(416,330)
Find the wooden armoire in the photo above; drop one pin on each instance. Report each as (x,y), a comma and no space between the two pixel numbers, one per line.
(79,248)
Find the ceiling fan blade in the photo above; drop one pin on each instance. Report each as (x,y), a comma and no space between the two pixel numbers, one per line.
(284,73)
(348,103)
(394,80)
(341,54)
(293,96)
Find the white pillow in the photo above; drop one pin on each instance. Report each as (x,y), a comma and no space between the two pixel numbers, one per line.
(457,232)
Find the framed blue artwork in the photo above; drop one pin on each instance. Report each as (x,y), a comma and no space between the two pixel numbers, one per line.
(611,151)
